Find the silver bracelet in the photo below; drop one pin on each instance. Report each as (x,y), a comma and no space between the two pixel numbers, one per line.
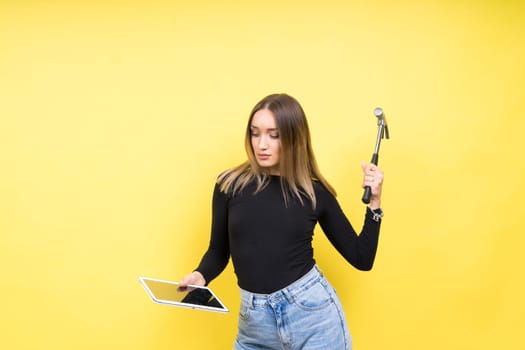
(377,214)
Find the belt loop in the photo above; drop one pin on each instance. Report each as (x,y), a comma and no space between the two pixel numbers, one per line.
(251,301)
(289,295)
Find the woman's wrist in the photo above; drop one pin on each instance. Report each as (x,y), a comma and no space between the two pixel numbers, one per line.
(374,204)
(200,278)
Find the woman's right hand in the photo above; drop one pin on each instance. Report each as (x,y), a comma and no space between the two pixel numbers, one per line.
(195,278)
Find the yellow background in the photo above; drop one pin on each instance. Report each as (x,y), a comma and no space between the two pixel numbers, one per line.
(116,116)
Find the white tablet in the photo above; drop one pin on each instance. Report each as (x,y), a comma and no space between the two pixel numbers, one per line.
(193,297)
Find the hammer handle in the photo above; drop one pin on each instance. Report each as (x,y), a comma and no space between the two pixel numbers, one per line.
(368,190)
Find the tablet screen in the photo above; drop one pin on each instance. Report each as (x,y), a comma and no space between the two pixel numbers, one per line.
(168,292)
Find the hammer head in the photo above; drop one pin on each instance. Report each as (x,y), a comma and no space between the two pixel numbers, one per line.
(381,121)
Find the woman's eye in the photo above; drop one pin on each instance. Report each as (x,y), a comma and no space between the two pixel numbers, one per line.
(274,136)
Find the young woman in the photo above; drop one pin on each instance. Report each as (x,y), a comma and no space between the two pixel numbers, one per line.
(264,214)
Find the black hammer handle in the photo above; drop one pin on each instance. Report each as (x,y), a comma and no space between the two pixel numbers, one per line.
(368,190)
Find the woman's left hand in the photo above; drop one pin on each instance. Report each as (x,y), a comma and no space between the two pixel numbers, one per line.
(373,177)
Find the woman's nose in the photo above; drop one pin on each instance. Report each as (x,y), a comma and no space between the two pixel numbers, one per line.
(263,144)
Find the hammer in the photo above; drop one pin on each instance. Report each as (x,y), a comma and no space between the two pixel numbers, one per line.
(382,131)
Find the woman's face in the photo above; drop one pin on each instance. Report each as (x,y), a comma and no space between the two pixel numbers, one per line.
(265,140)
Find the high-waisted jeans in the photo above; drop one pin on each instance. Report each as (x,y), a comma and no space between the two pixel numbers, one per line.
(306,315)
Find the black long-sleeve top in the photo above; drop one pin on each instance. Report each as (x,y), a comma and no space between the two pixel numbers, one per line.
(270,242)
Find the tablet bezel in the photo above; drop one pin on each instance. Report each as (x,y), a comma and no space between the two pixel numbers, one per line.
(144,284)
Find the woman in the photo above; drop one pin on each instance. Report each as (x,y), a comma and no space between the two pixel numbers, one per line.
(264,214)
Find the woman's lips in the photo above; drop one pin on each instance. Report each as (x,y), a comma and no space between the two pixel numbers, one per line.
(263,156)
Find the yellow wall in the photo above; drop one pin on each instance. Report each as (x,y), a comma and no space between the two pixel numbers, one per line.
(116,116)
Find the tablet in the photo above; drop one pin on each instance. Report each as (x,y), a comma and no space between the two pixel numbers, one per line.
(193,297)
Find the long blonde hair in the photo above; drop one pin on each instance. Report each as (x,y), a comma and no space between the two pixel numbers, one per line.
(297,165)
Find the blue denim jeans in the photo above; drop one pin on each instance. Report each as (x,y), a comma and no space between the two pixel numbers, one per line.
(306,315)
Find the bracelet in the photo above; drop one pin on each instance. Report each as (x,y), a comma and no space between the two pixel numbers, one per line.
(377,214)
